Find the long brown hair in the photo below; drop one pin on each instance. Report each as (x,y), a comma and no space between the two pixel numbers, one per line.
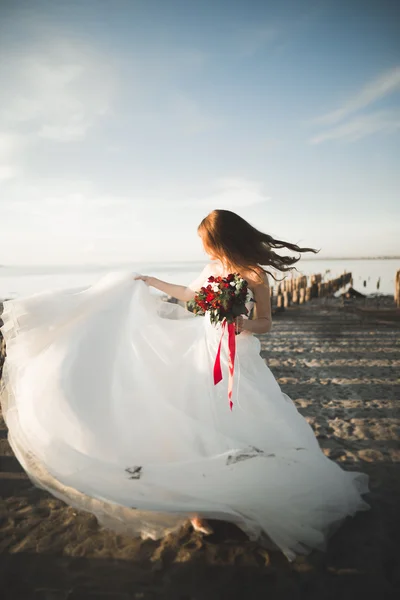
(243,247)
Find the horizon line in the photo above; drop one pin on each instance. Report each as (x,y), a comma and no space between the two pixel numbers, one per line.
(152,262)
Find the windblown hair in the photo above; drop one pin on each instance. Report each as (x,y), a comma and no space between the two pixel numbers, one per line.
(242,247)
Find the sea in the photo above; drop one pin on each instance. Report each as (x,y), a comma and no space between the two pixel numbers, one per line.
(370,276)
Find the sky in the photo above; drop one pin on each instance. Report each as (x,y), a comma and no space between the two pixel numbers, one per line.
(124,122)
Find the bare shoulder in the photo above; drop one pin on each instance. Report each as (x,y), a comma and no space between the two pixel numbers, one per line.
(257,280)
(259,285)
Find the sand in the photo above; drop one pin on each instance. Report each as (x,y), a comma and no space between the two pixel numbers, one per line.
(342,370)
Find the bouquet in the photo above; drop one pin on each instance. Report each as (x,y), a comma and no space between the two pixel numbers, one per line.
(223,299)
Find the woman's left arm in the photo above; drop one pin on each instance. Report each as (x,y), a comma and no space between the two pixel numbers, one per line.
(262,322)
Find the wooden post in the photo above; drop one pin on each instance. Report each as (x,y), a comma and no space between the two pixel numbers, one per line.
(397,289)
(314,290)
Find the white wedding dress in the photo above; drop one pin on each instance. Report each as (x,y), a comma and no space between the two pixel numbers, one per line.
(109,399)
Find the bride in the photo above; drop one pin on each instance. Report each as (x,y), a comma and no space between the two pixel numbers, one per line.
(111,406)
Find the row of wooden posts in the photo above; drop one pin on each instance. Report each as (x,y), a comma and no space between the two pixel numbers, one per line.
(302,289)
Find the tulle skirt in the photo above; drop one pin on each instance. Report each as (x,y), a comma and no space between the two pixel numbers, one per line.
(109,398)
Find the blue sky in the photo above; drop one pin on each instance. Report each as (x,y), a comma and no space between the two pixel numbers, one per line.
(123,123)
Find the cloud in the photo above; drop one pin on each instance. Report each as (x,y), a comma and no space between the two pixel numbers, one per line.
(11,146)
(73,219)
(347,125)
(67,209)
(385,121)
(8,172)
(10,143)
(387,83)
(228,193)
(55,221)
(58,91)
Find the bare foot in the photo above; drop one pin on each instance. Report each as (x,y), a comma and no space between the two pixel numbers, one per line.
(201,526)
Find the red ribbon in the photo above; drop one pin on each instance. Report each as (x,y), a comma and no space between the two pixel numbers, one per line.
(231,359)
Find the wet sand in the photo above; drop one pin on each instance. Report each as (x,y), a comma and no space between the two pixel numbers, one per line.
(342,370)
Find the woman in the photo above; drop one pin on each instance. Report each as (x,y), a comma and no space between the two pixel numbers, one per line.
(111,406)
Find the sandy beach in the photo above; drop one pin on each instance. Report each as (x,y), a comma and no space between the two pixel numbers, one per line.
(342,370)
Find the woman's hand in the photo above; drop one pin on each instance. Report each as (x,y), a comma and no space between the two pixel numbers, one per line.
(239,324)
(144,278)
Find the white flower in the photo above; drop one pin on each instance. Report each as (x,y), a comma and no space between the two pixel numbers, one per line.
(233,284)
(215,287)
